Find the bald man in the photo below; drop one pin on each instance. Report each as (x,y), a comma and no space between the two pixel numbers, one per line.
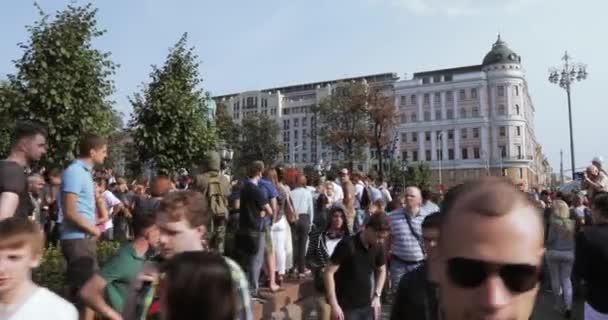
(488,260)
(406,236)
(35,184)
(595,181)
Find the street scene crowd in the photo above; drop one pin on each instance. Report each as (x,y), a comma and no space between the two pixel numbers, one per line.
(210,246)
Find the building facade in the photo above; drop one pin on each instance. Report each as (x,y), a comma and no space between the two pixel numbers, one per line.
(465,122)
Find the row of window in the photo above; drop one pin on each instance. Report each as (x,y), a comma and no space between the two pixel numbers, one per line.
(449,95)
(449,114)
(464,153)
(464,134)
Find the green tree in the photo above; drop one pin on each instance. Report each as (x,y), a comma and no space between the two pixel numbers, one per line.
(382,112)
(168,122)
(419,175)
(258,141)
(62,81)
(343,121)
(227,129)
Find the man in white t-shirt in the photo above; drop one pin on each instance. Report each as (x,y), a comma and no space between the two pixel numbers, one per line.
(21,248)
(113,206)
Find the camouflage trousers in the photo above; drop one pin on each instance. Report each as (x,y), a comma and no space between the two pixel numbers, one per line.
(217,239)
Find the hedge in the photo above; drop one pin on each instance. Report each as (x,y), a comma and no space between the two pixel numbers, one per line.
(51,272)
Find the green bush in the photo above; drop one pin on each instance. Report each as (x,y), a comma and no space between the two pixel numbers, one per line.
(51,272)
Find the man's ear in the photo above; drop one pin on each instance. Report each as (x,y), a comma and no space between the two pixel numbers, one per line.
(36,260)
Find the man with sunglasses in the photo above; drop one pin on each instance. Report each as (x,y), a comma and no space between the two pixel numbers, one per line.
(489,257)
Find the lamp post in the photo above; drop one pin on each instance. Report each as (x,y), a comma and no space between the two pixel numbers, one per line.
(226,155)
(440,154)
(404,164)
(569,73)
(322,167)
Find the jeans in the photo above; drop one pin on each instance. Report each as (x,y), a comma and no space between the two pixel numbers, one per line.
(81,261)
(365,313)
(397,269)
(302,230)
(255,263)
(560,264)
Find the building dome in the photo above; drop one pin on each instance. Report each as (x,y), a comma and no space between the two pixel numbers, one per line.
(500,53)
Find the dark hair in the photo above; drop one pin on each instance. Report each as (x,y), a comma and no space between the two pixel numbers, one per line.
(280,173)
(544,193)
(199,285)
(91,142)
(426,194)
(342,210)
(27,129)
(600,203)
(379,222)
(255,168)
(432,221)
(101,182)
(141,222)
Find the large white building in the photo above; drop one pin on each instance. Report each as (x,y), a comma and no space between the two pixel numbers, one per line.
(465,121)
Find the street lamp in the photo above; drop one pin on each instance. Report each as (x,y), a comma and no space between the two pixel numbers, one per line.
(226,156)
(404,164)
(322,167)
(565,77)
(440,153)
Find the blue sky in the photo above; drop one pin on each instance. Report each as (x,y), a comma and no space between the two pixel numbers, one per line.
(254,44)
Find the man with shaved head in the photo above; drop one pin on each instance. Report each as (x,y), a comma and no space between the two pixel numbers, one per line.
(595,181)
(406,236)
(489,258)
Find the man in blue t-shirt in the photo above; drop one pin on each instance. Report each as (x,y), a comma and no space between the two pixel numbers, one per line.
(78,201)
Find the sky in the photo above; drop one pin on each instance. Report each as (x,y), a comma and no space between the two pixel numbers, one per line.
(247,45)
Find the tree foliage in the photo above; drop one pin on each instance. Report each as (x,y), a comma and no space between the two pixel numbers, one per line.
(168,122)
(343,121)
(258,141)
(417,174)
(227,129)
(62,81)
(382,113)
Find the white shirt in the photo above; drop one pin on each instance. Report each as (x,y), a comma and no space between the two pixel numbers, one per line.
(44,304)
(338,193)
(110,201)
(331,245)
(359,187)
(386,196)
(302,201)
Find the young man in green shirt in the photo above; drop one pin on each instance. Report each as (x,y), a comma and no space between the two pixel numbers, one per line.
(107,291)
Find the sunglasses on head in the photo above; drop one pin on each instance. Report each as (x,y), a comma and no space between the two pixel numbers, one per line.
(471,273)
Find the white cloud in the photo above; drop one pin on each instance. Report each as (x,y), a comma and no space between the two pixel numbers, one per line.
(458,7)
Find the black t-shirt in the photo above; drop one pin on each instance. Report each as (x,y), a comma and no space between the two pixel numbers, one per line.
(13,179)
(357,265)
(591,263)
(252,203)
(144,205)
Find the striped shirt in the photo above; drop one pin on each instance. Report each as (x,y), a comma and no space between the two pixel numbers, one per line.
(404,244)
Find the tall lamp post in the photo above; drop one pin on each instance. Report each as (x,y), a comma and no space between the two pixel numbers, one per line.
(404,164)
(569,73)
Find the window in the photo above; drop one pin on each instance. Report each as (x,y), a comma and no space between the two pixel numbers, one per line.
(503,131)
(475,132)
(413,99)
(296,122)
(426,80)
(437,78)
(296,157)
(518,131)
(439,154)
(450,154)
(501,91)
(476,153)
(438,115)
(403,118)
(286,124)
(403,100)
(404,137)
(450,114)
(475,112)
(473,93)
(450,134)
(304,157)
(303,143)
(303,133)
(404,155)
(427,99)
(414,137)
(463,133)
(517,110)
(465,153)
(449,96)
(427,136)
(503,151)
(516,90)
(521,173)
(304,122)
(463,113)
(501,110)
(427,116)
(437,97)
(414,155)
(427,155)
(295,134)
(519,155)
(462,95)
(447,77)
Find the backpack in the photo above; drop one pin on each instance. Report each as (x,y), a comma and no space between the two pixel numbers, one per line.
(218,204)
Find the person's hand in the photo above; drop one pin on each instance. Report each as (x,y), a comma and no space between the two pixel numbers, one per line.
(376,307)
(113,315)
(336,313)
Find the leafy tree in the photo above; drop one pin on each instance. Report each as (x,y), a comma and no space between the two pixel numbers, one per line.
(382,113)
(258,141)
(168,122)
(343,120)
(227,129)
(62,81)
(419,175)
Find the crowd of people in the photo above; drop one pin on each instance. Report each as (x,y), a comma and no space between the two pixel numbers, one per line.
(207,245)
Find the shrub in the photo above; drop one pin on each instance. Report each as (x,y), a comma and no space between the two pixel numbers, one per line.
(51,272)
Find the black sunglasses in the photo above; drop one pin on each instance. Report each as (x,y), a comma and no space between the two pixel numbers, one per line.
(471,273)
